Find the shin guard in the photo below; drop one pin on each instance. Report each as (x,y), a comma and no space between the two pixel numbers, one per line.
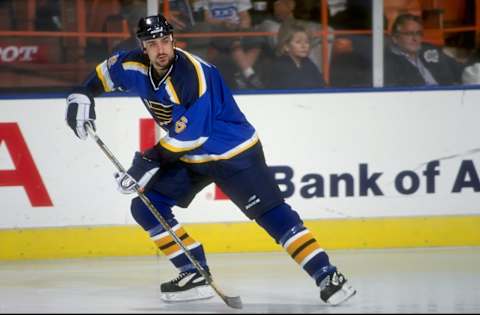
(162,238)
(286,227)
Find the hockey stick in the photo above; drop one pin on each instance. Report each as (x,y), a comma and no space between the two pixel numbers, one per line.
(232,301)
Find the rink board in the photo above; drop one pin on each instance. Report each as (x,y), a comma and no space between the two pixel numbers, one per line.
(237,237)
(365,170)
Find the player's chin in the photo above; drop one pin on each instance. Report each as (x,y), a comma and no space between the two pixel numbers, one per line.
(162,65)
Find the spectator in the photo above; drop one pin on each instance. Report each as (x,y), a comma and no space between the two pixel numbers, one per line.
(131,11)
(293,69)
(128,43)
(409,62)
(260,11)
(47,17)
(335,7)
(351,61)
(187,16)
(181,16)
(471,74)
(284,11)
(232,16)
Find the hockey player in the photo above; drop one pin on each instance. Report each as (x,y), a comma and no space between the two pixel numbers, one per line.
(208,139)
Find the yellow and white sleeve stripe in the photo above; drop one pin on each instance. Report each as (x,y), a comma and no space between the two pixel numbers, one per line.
(202,158)
(104,76)
(135,66)
(174,145)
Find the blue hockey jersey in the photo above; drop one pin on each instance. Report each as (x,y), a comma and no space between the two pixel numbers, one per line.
(191,103)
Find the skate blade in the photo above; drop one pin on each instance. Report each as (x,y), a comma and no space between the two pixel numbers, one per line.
(198,293)
(342,295)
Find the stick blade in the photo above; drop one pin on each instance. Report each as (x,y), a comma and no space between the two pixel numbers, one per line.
(233,301)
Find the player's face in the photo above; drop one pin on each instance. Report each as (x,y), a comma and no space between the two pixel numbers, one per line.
(299,45)
(409,37)
(160,52)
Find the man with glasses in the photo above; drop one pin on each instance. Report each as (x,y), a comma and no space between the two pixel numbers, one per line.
(411,62)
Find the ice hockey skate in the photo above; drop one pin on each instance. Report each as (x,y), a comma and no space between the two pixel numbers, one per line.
(334,289)
(188,286)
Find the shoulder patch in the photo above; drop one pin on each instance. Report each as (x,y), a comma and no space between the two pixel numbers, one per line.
(112,60)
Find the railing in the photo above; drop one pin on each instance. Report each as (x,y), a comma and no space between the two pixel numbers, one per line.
(82,34)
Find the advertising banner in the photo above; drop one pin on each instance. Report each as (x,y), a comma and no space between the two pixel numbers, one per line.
(353,155)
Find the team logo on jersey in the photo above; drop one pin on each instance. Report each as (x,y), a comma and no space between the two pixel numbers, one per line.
(181,124)
(111,61)
(162,112)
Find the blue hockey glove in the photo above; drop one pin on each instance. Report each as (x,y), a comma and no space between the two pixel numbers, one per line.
(138,175)
(80,109)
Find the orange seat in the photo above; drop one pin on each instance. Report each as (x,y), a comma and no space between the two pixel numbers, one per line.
(434,36)
(450,13)
(432,12)
(342,46)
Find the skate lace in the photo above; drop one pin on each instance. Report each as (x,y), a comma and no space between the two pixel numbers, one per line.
(336,279)
(180,277)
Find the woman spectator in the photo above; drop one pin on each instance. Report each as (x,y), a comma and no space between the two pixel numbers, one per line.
(292,68)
